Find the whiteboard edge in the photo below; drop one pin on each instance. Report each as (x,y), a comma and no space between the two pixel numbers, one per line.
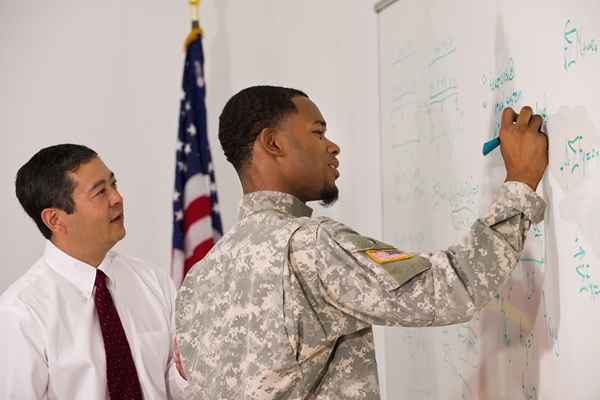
(383,4)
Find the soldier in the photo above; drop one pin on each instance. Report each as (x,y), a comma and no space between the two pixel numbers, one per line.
(282,307)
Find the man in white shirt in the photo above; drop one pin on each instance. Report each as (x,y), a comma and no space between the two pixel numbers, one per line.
(84,322)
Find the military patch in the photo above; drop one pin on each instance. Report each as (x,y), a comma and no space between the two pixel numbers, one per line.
(404,270)
(400,266)
(383,256)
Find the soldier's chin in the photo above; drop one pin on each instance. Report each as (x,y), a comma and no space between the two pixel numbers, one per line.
(329,195)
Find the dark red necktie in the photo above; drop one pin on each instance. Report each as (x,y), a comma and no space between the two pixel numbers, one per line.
(121,376)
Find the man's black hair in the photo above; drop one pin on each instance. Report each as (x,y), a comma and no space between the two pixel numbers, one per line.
(247,113)
(44,182)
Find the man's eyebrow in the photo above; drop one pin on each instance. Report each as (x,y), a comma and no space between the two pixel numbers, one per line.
(101,182)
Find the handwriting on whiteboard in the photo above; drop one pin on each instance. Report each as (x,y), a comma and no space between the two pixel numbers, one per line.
(575,45)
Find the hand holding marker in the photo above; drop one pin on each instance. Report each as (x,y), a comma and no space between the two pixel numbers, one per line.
(495,142)
(490,145)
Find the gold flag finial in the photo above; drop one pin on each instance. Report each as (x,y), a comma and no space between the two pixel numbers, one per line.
(195,5)
(196,30)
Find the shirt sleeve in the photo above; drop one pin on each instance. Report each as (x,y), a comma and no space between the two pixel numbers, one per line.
(24,367)
(436,288)
(176,385)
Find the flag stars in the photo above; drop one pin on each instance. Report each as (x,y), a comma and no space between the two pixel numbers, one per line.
(176,196)
(191,130)
(179,145)
(188,148)
(178,215)
(181,166)
(188,106)
(199,74)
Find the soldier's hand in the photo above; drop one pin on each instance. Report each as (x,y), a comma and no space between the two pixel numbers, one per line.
(524,148)
(178,363)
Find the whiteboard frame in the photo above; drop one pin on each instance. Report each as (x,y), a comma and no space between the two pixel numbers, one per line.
(383,4)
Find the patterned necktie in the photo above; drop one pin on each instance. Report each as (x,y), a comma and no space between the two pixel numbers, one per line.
(123,382)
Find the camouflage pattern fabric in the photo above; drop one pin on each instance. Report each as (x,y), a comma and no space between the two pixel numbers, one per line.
(282,306)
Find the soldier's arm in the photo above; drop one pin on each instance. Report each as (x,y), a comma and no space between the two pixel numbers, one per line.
(436,288)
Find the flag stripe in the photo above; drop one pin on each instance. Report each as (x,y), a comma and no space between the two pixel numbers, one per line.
(198,209)
(196,186)
(198,254)
(199,232)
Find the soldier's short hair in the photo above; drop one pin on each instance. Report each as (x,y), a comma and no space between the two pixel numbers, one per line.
(44,182)
(247,113)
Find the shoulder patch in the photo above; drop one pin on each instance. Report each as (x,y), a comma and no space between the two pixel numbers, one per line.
(357,242)
(384,256)
(404,270)
(400,265)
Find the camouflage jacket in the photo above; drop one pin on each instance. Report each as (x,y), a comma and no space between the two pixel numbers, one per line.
(282,306)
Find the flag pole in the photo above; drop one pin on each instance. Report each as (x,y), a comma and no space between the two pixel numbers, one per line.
(195,5)
(196,30)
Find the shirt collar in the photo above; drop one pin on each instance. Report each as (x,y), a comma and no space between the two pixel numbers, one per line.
(78,273)
(278,201)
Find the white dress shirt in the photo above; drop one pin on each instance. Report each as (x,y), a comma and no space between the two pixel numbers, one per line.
(52,346)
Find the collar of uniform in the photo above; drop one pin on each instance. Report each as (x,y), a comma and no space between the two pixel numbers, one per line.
(78,273)
(283,202)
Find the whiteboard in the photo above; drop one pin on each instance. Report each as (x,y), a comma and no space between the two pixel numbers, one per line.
(447,69)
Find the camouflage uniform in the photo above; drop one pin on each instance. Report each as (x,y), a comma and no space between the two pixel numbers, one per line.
(282,307)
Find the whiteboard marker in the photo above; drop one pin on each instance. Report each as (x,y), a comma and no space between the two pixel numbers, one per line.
(490,145)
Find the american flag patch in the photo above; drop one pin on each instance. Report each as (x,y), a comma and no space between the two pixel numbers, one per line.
(382,256)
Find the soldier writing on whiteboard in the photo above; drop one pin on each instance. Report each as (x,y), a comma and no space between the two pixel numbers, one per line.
(282,307)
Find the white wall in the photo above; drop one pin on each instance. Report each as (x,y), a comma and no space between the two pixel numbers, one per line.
(327,49)
(107,74)
(104,74)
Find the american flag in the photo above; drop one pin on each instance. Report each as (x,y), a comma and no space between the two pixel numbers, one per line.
(196,220)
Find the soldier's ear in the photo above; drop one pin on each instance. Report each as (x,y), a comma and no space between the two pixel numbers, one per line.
(272,142)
